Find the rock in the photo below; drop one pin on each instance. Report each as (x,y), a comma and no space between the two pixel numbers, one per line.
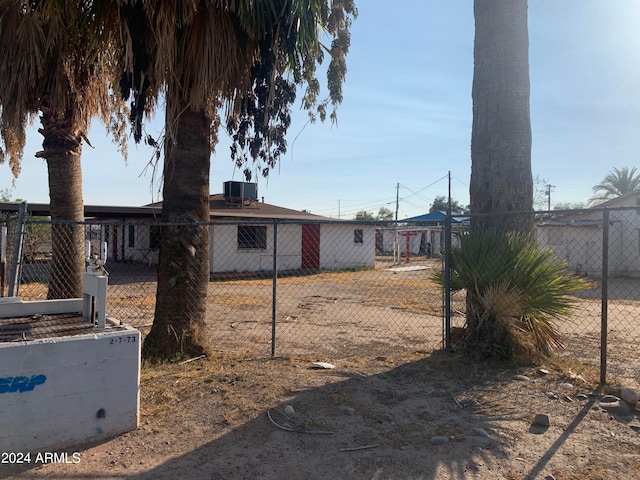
(439,440)
(575,376)
(481,432)
(582,397)
(386,418)
(566,386)
(542,420)
(549,477)
(543,371)
(621,408)
(551,395)
(521,378)
(350,411)
(629,395)
(609,399)
(323,365)
(289,410)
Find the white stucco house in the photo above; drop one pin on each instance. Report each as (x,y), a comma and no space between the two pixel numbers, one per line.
(577,237)
(241,234)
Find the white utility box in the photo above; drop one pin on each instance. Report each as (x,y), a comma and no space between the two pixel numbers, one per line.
(65,379)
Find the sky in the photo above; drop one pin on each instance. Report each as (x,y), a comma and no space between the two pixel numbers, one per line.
(405,121)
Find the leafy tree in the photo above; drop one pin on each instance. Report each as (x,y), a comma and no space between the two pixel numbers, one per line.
(250,57)
(37,235)
(54,61)
(501,180)
(540,193)
(516,293)
(364,215)
(385,215)
(441,203)
(5,195)
(616,184)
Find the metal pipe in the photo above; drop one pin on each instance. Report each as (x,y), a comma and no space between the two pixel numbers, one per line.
(3,258)
(274,297)
(16,265)
(605,297)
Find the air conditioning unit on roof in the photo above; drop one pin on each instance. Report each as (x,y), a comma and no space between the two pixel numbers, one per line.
(240,191)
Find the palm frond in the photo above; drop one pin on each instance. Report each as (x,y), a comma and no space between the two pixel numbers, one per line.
(516,292)
(617,183)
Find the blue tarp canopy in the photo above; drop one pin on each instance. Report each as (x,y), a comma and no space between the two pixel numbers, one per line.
(436,216)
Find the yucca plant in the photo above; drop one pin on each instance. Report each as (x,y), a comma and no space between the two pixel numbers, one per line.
(516,292)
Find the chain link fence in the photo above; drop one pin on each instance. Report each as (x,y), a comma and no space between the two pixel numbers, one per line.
(325,289)
(342,288)
(603,247)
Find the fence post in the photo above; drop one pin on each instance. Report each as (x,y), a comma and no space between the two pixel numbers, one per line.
(605,297)
(3,257)
(447,281)
(274,297)
(16,264)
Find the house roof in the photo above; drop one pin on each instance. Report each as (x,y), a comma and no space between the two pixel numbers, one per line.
(219,208)
(627,200)
(592,216)
(571,222)
(90,211)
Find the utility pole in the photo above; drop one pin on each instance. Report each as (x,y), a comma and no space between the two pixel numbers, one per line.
(397,201)
(548,194)
(449,194)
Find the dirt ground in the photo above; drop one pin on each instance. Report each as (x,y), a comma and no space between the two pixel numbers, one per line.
(368,418)
(374,416)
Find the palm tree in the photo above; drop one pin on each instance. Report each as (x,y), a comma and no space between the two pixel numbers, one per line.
(204,55)
(501,180)
(516,294)
(49,66)
(617,183)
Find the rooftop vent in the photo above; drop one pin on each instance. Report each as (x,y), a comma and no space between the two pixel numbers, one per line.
(240,191)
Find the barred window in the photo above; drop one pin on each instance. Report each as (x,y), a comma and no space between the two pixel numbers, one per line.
(154,237)
(358,236)
(252,237)
(132,236)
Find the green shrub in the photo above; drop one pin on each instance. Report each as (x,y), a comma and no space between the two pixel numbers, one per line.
(516,291)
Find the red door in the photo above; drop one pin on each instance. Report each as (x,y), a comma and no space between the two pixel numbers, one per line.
(311,246)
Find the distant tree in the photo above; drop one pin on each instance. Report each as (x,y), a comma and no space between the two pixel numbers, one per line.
(37,238)
(569,206)
(616,184)
(540,198)
(364,215)
(36,234)
(384,214)
(441,203)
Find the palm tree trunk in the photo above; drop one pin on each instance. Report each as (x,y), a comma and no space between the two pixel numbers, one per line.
(501,180)
(62,150)
(183,266)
